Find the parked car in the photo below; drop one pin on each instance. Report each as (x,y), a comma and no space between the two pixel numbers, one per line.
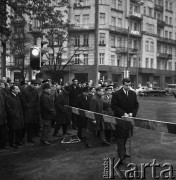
(140,90)
(170,89)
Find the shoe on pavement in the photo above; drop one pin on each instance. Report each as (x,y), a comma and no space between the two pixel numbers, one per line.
(104,142)
(89,146)
(13,145)
(45,142)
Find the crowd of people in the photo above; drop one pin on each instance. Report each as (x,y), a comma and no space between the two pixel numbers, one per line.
(31,109)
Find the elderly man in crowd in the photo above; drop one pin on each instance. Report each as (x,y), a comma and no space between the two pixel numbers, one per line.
(14,117)
(47,112)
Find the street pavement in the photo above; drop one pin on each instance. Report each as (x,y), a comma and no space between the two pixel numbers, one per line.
(76,162)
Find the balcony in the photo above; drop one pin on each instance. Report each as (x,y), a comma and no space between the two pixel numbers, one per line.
(149,33)
(166,40)
(160,23)
(159,7)
(135,15)
(164,56)
(118,30)
(124,50)
(82,27)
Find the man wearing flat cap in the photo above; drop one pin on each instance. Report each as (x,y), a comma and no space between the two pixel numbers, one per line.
(96,105)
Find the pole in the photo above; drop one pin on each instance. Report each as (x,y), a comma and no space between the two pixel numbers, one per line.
(96,62)
(128,48)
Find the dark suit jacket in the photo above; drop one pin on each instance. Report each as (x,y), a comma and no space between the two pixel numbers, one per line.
(82,103)
(96,105)
(121,104)
(74,92)
(47,107)
(62,115)
(14,112)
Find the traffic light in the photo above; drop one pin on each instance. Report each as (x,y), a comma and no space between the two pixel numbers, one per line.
(35,58)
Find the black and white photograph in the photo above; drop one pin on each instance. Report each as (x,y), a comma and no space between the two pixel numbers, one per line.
(87,89)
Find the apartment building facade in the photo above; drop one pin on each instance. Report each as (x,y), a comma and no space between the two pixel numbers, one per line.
(134,35)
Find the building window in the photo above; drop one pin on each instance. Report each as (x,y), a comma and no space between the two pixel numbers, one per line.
(144,10)
(166,34)
(102,18)
(113,41)
(134,62)
(166,19)
(166,4)
(150,28)
(151,63)
(77,60)
(102,1)
(120,4)
(86,59)
(86,19)
(151,46)
(77,40)
(135,44)
(77,19)
(170,65)
(114,3)
(170,6)
(86,40)
(147,46)
(170,21)
(102,39)
(170,49)
(86,3)
(119,42)
(165,49)
(113,60)
(146,62)
(119,22)
(102,56)
(170,35)
(113,21)
(150,12)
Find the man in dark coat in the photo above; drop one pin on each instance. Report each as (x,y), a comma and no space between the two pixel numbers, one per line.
(3,118)
(82,102)
(31,109)
(97,105)
(47,112)
(62,116)
(124,103)
(74,92)
(14,117)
